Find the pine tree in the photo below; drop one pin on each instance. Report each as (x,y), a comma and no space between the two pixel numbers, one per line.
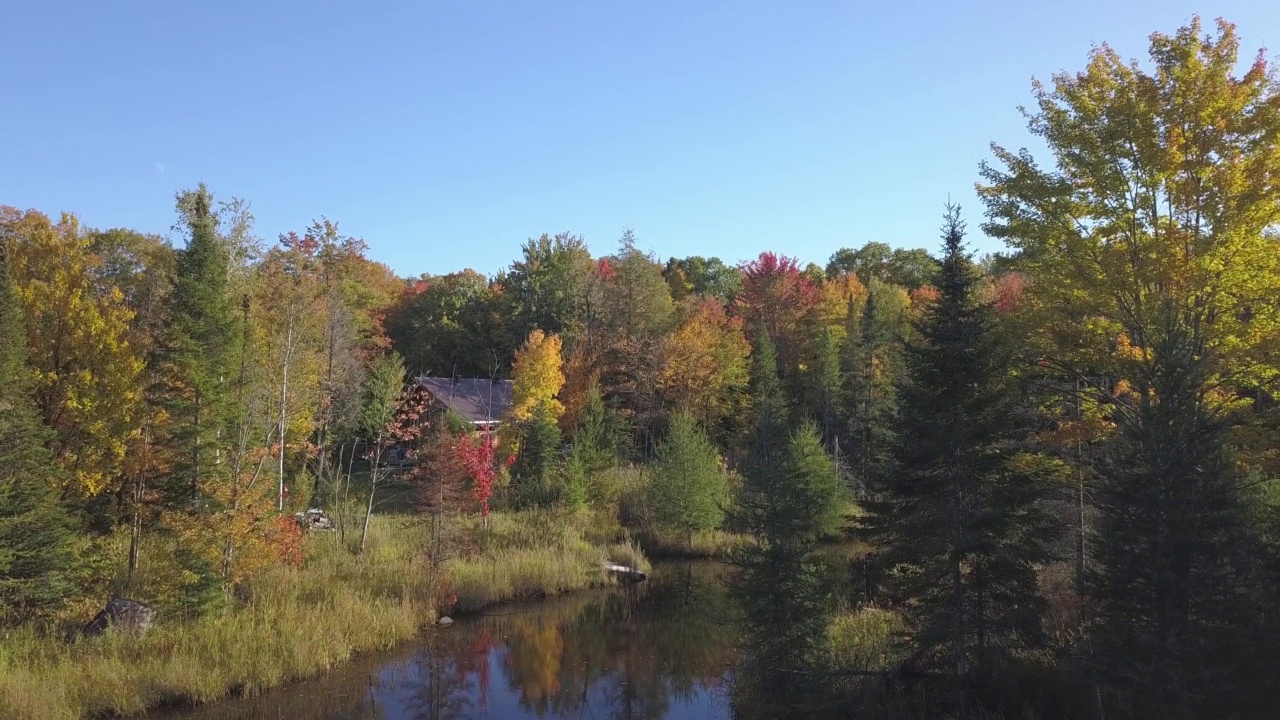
(35,532)
(959,520)
(689,490)
(787,502)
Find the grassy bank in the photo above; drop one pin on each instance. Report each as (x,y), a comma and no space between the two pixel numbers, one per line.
(297,622)
(713,545)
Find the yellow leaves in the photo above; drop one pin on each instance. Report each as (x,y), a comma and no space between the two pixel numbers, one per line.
(705,366)
(537,376)
(87,373)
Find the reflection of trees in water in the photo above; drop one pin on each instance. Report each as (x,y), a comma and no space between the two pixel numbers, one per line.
(627,654)
(438,687)
(783,595)
(623,654)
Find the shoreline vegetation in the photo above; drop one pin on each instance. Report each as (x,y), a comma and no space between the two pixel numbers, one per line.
(294,623)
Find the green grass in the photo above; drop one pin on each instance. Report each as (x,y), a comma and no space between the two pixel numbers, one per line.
(293,623)
(863,639)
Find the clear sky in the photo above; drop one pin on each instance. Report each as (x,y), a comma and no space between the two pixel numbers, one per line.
(446,133)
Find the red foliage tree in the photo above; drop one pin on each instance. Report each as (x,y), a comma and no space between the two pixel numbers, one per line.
(777,295)
(477,457)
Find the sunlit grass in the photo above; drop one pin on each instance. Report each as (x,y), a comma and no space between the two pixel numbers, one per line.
(293,623)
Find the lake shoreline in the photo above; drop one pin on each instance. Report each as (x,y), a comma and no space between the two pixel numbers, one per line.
(369,604)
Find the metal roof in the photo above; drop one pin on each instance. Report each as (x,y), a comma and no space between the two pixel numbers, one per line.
(477,400)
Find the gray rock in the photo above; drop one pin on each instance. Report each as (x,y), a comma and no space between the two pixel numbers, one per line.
(124,614)
(444,621)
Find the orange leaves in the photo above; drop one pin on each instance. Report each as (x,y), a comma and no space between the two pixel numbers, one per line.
(705,368)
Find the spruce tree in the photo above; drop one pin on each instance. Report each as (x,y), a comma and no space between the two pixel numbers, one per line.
(1174,550)
(873,352)
(959,522)
(767,439)
(791,496)
(535,466)
(35,532)
(202,341)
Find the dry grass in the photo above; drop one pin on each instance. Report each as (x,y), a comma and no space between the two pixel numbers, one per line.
(294,622)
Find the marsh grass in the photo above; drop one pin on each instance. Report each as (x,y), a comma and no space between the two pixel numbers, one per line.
(291,623)
(864,639)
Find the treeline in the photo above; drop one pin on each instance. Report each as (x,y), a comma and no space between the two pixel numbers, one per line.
(193,397)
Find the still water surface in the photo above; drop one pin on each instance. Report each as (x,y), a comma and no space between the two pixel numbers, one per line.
(658,649)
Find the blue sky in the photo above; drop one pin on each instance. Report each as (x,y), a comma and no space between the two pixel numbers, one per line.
(446,133)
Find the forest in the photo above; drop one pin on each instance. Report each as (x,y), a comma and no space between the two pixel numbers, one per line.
(1061,461)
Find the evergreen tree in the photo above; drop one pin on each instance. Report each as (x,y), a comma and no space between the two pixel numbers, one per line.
(823,384)
(594,450)
(202,342)
(535,466)
(35,532)
(1173,552)
(873,352)
(689,489)
(959,520)
(785,597)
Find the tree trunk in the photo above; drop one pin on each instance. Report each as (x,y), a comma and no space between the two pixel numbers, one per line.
(373,486)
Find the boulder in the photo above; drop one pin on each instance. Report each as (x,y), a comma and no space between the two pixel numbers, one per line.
(124,614)
(444,621)
(314,519)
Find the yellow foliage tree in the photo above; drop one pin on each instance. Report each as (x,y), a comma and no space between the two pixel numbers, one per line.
(537,376)
(87,373)
(705,363)
(1161,203)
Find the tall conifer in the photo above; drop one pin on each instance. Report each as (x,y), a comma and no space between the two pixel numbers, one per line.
(959,519)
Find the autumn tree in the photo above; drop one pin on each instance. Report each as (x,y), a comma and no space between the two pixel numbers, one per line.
(537,376)
(289,314)
(960,520)
(87,373)
(706,365)
(1150,246)
(689,491)
(776,296)
(391,414)
(35,533)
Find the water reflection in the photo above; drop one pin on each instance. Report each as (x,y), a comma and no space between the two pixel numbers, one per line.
(660,649)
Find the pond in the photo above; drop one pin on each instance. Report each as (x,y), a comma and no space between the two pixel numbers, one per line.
(657,649)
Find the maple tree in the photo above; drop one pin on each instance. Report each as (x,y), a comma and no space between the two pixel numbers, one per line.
(87,372)
(705,363)
(776,296)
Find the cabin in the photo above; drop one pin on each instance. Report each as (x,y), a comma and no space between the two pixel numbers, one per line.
(480,401)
